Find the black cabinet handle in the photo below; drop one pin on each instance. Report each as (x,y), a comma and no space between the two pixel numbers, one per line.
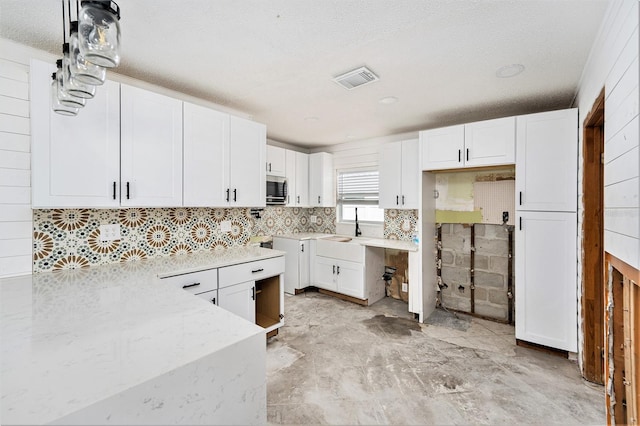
(338,270)
(255,271)
(298,199)
(403,200)
(269,166)
(318,199)
(521,223)
(235,195)
(190,285)
(467,154)
(302,248)
(114,190)
(459,155)
(520,196)
(228,194)
(213,300)
(253,293)
(127,190)
(334,269)
(397,200)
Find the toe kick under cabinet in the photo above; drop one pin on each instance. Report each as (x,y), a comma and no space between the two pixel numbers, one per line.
(252,290)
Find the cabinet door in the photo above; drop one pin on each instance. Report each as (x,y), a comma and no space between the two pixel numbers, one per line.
(321,180)
(239,299)
(151,144)
(390,174)
(211,296)
(206,171)
(442,148)
(490,142)
(350,279)
(547,161)
(303,265)
(290,175)
(325,273)
(546,279)
(410,174)
(302,180)
(247,179)
(75,160)
(276,161)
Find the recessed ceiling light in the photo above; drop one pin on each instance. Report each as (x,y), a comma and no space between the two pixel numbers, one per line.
(388,100)
(311,119)
(509,70)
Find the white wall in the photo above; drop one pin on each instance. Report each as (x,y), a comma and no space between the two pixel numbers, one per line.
(15,158)
(613,64)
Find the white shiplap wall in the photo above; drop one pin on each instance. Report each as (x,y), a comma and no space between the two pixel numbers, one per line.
(15,158)
(613,64)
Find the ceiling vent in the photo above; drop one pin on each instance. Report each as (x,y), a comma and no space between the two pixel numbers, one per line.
(356,78)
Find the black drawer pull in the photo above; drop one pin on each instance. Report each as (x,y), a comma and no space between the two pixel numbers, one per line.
(213,300)
(257,270)
(190,285)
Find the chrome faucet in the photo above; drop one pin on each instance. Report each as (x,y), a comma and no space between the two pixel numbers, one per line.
(358,231)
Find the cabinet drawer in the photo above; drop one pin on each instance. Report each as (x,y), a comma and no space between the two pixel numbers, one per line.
(251,271)
(195,282)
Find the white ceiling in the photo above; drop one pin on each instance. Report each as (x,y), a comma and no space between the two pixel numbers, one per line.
(275,59)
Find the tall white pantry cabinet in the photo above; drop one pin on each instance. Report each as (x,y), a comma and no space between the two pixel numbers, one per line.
(546,229)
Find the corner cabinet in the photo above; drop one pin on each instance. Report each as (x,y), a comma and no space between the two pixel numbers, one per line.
(479,144)
(151,149)
(75,160)
(399,175)
(322,192)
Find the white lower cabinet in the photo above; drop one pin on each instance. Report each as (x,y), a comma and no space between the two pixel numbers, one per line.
(195,282)
(211,296)
(296,274)
(545,268)
(325,273)
(239,299)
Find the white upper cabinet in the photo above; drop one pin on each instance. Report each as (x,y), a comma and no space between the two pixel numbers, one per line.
(297,174)
(75,160)
(322,192)
(206,146)
(276,161)
(247,155)
(490,142)
(399,175)
(302,180)
(151,149)
(442,148)
(547,161)
(479,144)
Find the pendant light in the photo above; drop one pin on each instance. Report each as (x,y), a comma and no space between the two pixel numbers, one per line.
(82,70)
(99,32)
(55,101)
(66,98)
(73,86)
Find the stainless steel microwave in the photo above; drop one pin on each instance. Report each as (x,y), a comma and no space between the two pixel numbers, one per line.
(276,190)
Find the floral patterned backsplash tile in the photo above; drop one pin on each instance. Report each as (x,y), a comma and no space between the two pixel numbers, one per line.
(69,238)
(400,224)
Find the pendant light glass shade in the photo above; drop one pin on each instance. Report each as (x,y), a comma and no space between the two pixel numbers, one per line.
(66,98)
(82,70)
(55,102)
(99,32)
(71,86)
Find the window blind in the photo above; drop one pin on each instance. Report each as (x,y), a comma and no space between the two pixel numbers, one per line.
(358,186)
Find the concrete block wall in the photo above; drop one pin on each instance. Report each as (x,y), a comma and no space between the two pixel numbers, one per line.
(491,269)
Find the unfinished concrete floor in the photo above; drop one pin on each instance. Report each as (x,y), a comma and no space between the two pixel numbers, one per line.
(335,362)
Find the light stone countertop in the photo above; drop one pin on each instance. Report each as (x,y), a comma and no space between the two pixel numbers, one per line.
(75,337)
(365,241)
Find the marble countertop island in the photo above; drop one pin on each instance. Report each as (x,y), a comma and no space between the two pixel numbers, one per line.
(81,338)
